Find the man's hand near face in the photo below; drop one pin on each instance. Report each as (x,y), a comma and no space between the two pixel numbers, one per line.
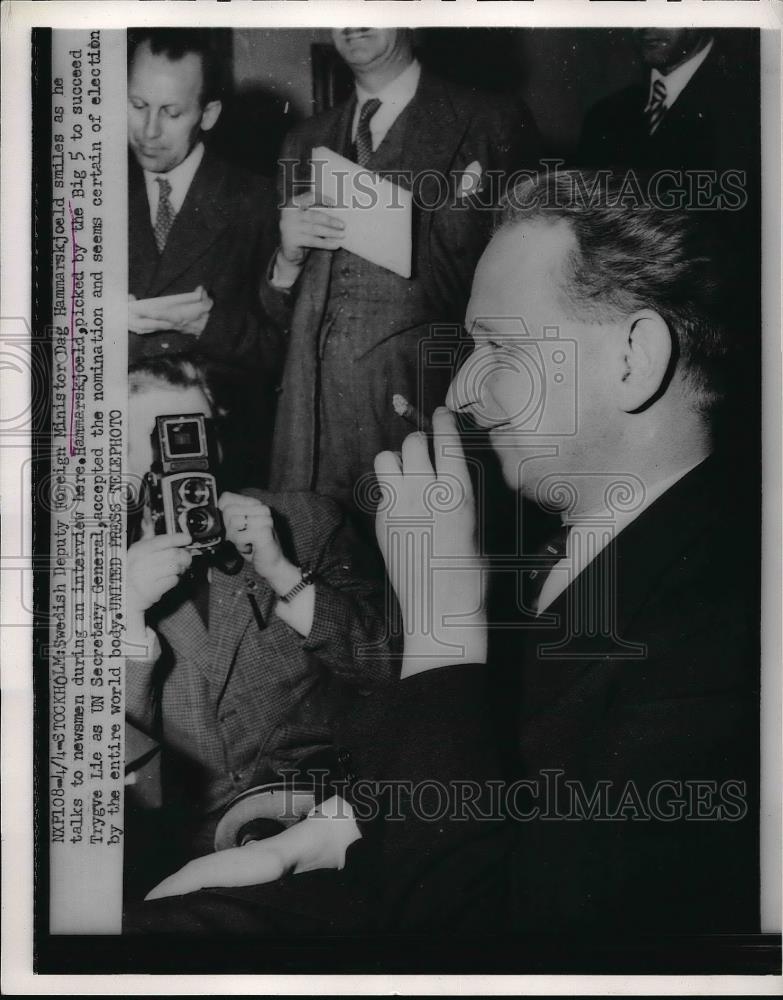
(304,226)
(426,530)
(185,313)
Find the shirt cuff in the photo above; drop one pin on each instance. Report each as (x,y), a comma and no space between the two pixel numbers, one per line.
(277,281)
(144,651)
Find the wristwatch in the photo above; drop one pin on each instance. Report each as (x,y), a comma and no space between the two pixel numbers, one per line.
(304,582)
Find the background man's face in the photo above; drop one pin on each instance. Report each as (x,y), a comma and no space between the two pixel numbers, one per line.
(156,400)
(539,379)
(665,48)
(164,108)
(366,48)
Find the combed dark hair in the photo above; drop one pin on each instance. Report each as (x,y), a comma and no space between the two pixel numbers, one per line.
(633,253)
(175,43)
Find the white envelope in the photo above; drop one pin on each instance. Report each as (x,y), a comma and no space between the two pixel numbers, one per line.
(377,213)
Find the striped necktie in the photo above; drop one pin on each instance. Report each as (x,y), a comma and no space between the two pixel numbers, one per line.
(657,106)
(164,219)
(363,135)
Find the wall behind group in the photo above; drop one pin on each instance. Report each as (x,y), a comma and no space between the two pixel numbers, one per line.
(559,73)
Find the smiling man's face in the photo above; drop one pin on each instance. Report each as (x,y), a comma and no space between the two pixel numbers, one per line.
(370,48)
(539,379)
(666,48)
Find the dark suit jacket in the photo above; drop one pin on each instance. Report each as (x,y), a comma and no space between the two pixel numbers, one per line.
(713,125)
(234,702)
(672,734)
(221,239)
(670,695)
(448,128)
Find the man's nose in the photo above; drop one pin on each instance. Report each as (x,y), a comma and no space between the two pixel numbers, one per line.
(152,125)
(467,391)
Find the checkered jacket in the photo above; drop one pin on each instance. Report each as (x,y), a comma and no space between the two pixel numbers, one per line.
(249,695)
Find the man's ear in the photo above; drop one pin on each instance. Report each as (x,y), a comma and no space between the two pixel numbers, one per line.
(647,355)
(210,115)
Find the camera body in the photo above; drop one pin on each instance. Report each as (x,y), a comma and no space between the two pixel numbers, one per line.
(181,487)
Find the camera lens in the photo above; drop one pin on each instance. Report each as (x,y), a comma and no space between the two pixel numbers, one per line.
(200,522)
(194,491)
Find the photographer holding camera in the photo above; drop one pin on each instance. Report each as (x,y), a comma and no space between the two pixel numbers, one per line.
(244,648)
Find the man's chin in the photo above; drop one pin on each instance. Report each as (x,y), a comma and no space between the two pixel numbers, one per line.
(155,164)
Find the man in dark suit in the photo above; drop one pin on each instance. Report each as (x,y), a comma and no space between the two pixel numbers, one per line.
(694,110)
(357,330)
(199,229)
(626,798)
(242,670)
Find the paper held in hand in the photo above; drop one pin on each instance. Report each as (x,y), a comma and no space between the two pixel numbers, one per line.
(377,214)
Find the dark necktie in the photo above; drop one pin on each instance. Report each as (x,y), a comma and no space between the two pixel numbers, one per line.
(363,136)
(657,106)
(164,220)
(547,557)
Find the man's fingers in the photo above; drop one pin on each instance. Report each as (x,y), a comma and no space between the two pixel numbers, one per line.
(317,218)
(449,454)
(173,540)
(323,231)
(387,464)
(303,200)
(240,501)
(415,455)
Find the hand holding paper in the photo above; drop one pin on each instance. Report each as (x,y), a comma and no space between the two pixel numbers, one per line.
(304,226)
(187,313)
(377,215)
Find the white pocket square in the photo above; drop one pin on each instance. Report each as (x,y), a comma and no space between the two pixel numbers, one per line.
(470,180)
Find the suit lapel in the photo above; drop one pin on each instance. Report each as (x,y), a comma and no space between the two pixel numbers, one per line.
(231,614)
(696,98)
(205,214)
(433,131)
(186,633)
(142,251)
(592,623)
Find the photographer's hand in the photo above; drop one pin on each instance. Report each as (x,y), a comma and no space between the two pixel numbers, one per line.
(250,526)
(155,564)
(426,530)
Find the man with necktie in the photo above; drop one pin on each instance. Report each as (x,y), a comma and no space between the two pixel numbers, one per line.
(694,109)
(357,330)
(612,788)
(199,228)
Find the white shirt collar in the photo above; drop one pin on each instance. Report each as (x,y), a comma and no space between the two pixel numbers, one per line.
(676,81)
(180,178)
(590,535)
(394,98)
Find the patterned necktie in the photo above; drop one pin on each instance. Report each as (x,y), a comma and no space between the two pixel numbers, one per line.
(657,106)
(363,145)
(547,557)
(164,220)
